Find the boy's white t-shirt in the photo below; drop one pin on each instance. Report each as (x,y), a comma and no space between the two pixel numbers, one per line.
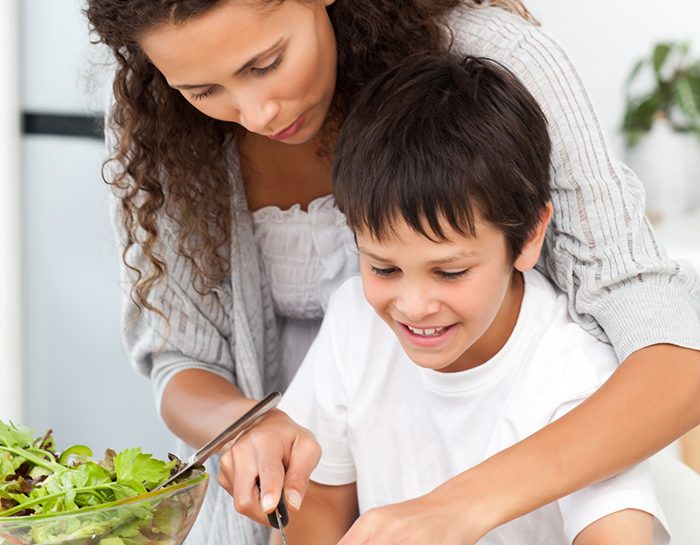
(399,430)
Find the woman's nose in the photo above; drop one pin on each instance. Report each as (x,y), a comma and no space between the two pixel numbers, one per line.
(257,114)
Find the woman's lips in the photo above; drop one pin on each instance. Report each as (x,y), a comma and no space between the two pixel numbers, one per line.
(291,130)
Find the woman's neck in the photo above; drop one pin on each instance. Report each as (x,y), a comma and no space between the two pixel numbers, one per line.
(277,174)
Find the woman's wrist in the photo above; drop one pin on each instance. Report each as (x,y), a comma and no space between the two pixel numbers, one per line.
(474,503)
(198,404)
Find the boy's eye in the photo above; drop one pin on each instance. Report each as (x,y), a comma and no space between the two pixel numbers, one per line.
(199,96)
(269,68)
(388,271)
(452,275)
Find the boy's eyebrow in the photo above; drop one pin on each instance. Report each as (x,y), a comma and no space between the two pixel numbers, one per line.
(442,261)
(251,62)
(453,258)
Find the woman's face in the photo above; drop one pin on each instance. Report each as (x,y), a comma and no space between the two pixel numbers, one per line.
(269,67)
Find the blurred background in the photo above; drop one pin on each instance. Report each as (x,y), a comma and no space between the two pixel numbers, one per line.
(61,360)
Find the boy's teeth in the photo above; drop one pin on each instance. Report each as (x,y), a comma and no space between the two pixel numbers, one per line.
(426,332)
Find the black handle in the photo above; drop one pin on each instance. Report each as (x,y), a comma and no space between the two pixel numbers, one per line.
(284,515)
(281,509)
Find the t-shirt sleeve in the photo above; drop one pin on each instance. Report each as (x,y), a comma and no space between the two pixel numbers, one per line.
(569,367)
(318,398)
(632,489)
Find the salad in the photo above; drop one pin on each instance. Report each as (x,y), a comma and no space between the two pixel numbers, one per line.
(113,499)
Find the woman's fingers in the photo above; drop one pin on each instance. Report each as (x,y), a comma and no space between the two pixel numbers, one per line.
(247,485)
(304,457)
(226,472)
(275,454)
(271,455)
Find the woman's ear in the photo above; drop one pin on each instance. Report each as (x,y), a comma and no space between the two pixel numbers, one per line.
(530,253)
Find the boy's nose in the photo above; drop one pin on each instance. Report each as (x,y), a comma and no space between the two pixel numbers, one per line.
(416,305)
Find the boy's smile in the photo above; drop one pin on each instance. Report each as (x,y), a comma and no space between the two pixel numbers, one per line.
(452,304)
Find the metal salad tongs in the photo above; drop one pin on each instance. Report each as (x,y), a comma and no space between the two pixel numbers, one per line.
(280,516)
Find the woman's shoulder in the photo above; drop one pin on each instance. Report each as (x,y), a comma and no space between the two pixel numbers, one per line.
(499,35)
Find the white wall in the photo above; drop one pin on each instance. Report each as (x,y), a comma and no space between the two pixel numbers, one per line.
(60,70)
(78,379)
(10,331)
(605,38)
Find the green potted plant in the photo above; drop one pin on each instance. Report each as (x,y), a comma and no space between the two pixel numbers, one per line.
(661,126)
(674,94)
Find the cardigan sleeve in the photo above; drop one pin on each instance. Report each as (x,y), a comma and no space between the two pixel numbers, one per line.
(600,248)
(198,333)
(195,335)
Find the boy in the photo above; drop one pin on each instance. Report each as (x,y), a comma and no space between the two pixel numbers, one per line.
(451,347)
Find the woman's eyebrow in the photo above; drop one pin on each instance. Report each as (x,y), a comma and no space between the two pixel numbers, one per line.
(259,56)
(248,64)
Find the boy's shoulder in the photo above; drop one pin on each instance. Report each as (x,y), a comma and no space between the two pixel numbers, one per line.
(561,340)
(564,365)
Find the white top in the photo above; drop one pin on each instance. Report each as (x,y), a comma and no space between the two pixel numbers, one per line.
(306,255)
(399,430)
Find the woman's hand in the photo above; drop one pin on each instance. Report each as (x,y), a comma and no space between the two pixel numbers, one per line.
(435,518)
(278,452)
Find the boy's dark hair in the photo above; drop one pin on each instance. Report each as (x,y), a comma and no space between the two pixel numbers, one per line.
(438,137)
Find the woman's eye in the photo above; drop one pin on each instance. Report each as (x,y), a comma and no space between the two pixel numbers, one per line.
(383,271)
(269,68)
(452,275)
(199,96)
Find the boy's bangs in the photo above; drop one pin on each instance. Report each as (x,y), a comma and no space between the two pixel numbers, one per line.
(400,200)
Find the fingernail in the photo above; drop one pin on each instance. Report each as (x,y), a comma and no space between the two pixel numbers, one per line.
(294,499)
(268,503)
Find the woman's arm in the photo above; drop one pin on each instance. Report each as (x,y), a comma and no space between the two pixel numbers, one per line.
(648,402)
(198,404)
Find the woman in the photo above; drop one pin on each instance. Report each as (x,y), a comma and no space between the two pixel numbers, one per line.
(229,232)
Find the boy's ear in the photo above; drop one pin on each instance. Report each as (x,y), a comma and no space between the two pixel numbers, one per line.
(533,245)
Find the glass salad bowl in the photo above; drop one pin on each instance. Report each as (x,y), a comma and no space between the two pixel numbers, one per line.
(160,517)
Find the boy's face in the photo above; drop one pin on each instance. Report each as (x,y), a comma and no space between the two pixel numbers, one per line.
(453,304)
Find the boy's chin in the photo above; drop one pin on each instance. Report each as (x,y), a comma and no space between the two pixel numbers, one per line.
(433,364)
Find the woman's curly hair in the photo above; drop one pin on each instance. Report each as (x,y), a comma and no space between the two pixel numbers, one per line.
(171,159)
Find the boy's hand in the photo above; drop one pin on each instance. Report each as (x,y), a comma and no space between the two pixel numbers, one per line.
(281,454)
(427,519)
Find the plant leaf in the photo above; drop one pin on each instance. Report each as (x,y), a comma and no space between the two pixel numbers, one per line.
(75,451)
(658,58)
(132,465)
(12,435)
(633,75)
(689,102)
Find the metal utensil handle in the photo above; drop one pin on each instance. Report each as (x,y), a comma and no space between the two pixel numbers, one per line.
(269,402)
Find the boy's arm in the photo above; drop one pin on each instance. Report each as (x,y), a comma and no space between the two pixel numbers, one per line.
(627,527)
(326,514)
